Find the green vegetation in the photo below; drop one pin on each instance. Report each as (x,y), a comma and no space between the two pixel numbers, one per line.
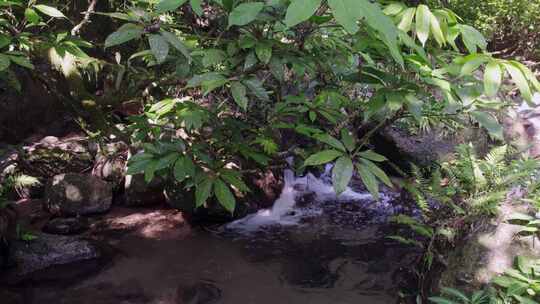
(512,26)
(224,87)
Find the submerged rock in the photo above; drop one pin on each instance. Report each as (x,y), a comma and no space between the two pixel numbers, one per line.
(77,194)
(66,226)
(46,251)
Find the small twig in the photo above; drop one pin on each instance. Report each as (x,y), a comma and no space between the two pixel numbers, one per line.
(86,18)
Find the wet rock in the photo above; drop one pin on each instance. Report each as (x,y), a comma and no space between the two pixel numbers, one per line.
(66,226)
(77,194)
(161,224)
(489,251)
(139,193)
(425,149)
(199,293)
(111,162)
(52,156)
(47,251)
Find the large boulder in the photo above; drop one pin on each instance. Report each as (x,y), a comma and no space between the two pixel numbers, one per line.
(46,251)
(139,193)
(77,194)
(52,156)
(401,147)
(489,250)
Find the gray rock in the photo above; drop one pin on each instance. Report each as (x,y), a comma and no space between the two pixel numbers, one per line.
(488,251)
(47,251)
(77,194)
(66,226)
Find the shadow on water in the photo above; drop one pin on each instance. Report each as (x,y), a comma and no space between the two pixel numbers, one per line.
(319,251)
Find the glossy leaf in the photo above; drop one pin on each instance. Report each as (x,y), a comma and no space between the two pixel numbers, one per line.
(159,47)
(300,11)
(492,78)
(369,180)
(342,174)
(489,122)
(224,195)
(406,21)
(423,21)
(125,33)
(519,79)
(203,192)
(238,92)
(322,157)
(169,5)
(176,43)
(245,13)
(346,13)
(49,11)
(330,140)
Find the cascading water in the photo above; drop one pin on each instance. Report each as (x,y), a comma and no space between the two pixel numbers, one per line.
(284,212)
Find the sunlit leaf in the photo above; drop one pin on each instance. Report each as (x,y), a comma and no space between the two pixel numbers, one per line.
(300,11)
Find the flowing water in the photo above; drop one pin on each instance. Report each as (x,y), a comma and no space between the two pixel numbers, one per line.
(312,247)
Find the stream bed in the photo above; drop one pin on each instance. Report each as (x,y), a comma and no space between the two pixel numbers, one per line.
(310,248)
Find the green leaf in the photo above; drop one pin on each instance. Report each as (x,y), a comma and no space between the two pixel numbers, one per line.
(213,57)
(492,78)
(300,11)
(245,13)
(348,139)
(49,11)
(176,43)
(519,79)
(369,180)
(234,178)
(159,47)
(22,61)
(414,105)
(203,192)
(224,195)
(256,88)
(169,5)
(472,63)
(4,62)
(196,6)
(150,170)
(238,91)
(342,174)
(436,29)
(489,122)
(456,293)
(423,21)
(167,160)
(372,156)
(330,140)
(378,172)
(251,60)
(264,52)
(322,157)
(125,33)
(31,16)
(406,21)
(346,13)
(472,38)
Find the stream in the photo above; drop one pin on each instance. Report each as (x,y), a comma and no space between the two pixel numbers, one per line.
(312,247)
